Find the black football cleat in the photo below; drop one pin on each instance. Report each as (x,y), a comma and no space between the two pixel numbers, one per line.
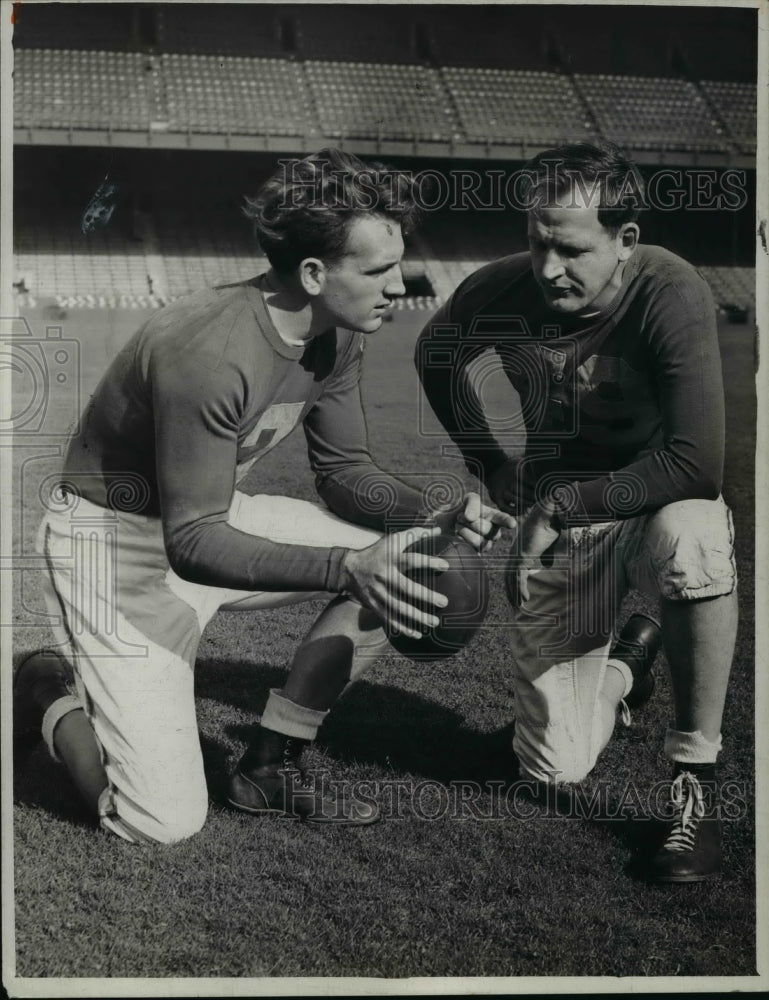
(692,849)
(40,680)
(269,781)
(638,644)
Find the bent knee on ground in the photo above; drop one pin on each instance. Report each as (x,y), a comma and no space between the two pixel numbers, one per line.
(153,821)
(543,762)
(562,772)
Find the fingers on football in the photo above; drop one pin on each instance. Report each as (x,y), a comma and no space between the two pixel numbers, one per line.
(412,562)
(401,540)
(410,620)
(473,508)
(501,519)
(472,537)
(415,591)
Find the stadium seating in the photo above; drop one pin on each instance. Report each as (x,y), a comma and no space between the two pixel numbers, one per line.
(87,89)
(364,100)
(514,106)
(731,286)
(54,258)
(367,72)
(204,248)
(210,251)
(222,94)
(651,112)
(63,88)
(736,104)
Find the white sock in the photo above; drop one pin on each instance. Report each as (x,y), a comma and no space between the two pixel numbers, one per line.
(626,672)
(53,716)
(690,748)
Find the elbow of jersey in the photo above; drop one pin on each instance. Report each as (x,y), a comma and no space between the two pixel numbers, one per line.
(711,488)
(181,562)
(330,492)
(323,483)
(706,486)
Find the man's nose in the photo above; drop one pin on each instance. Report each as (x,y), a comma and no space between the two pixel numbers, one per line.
(395,286)
(552,266)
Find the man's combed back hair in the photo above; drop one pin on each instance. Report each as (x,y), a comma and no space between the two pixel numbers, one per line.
(306,208)
(599,169)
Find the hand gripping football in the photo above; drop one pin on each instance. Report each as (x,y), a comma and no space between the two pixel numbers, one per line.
(464,583)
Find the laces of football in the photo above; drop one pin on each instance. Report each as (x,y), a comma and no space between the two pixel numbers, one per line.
(687,798)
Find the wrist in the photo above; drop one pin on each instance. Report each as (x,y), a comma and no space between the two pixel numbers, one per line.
(344,577)
(503,485)
(553,513)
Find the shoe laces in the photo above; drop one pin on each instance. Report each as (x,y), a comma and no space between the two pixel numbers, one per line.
(290,763)
(624,712)
(687,798)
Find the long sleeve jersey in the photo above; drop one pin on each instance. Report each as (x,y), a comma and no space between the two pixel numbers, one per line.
(623,410)
(194,400)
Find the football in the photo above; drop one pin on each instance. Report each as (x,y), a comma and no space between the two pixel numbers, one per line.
(464,583)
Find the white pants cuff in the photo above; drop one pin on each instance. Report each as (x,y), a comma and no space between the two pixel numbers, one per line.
(53,716)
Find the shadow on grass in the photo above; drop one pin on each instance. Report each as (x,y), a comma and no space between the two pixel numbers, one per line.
(372,724)
(400,731)
(641,835)
(403,733)
(241,684)
(397,731)
(40,783)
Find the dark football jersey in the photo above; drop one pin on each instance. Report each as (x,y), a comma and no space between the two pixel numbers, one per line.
(625,408)
(190,405)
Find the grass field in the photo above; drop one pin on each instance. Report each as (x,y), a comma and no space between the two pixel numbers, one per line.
(480,894)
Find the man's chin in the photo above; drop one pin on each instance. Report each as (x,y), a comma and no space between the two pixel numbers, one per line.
(565,303)
(371,325)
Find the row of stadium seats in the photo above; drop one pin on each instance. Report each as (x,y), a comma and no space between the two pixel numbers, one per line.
(259,96)
(732,286)
(64,88)
(213,252)
(652,113)
(188,251)
(360,100)
(631,39)
(736,103)
(509,105)
(53,257)
(249,96)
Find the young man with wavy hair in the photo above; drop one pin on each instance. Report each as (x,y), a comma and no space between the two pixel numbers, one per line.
(614,475)
(162,518)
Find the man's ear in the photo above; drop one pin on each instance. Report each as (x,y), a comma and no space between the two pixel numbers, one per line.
(312,275)
(628,238)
